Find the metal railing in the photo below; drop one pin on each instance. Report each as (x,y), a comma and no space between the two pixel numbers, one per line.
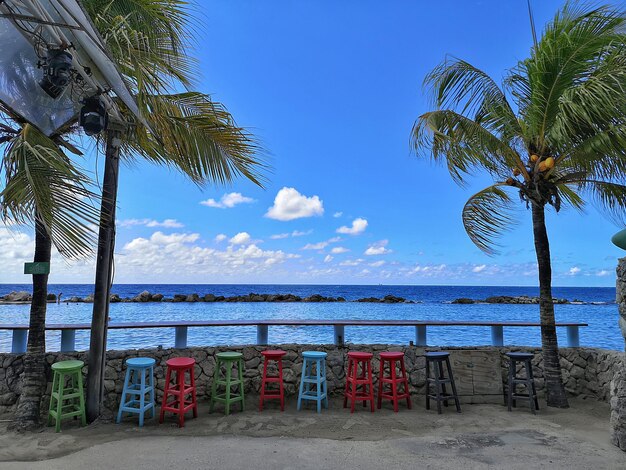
(68,331)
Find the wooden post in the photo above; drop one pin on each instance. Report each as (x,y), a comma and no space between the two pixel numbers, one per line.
(104,274)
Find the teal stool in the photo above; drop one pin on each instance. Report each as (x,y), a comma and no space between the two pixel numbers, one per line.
(136,386)
(313,386)
(228,360)
(67,399)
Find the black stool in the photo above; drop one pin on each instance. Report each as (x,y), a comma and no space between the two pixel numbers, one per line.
(440,380)
(515,380)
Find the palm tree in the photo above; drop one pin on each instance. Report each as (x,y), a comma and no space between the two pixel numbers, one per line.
(554,132)
(181,128)
(44,189)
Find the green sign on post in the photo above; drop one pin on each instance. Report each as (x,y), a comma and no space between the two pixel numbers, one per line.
(37,268)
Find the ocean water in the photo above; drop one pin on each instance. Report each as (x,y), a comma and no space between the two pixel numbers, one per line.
(600,312)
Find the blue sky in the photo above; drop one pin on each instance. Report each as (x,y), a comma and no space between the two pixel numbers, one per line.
(331,89)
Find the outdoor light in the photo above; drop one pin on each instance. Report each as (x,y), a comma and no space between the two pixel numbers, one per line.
(93,115)
(57,72)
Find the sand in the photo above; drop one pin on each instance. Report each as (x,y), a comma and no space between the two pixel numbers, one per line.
(482,436)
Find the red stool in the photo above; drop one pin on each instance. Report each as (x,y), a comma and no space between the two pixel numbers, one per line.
(179,390)
(273,355)
(354,380)
(394,359)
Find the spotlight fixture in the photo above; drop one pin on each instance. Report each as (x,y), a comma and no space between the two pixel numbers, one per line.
(93,115)
(57,72)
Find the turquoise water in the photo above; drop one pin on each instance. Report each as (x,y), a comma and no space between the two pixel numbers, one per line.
(602,315)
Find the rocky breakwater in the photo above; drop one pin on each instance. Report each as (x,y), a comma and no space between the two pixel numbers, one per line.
(506,299)
(146,296)
(22,297)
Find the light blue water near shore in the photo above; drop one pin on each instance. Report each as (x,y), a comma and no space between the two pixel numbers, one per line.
(600,313)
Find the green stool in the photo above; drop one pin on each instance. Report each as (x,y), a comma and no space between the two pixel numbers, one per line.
(67,399)
(228,360)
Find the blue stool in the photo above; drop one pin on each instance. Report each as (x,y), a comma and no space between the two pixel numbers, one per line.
(136,388)
(317,380)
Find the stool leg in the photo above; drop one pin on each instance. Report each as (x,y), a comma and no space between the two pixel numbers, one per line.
(192,373)
(152,392)
(123,400)
(263,379)
(318,384)
(281,387)
(532,381)
(453,385)
(511,385)
(380,383)
(394,386)
(406,384)
(443,385)
(325,384)
(180,379)
(165,391)
(55,379)
(302,376)
(142,397)
(438,389)
(229,372)
(81,398)
(529,387)
(59,403)
(427,384)
(241,388)
(355,368)
(371,385)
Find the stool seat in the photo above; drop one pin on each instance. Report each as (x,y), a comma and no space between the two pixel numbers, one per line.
(392,355)
(520,355)
(180,362)
(273,353)
(437,354)
(229,355)
(360,355)
(140,362)
(314,354)
(67,366)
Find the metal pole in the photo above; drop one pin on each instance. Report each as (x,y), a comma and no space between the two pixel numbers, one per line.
(104,272)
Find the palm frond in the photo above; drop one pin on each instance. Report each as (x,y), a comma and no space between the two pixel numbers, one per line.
(42,184)
(609,198)
(486,215)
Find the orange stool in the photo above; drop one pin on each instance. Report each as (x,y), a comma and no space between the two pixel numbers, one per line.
(273,355)
(180,389)
(354,380)
(395,360)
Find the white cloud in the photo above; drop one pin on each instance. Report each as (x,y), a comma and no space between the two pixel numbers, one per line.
(167,223)
(336,215)
(289,204)
(295,233)
(315,246)
(220,237)
(227,201)
(240,239)
(328,259)
(573,271)
(338,250)
(478,269)
(351,262)
(334,240)
(279,236)
(378,248)
(377,264)
(603,272)
(358,226)
(160,238)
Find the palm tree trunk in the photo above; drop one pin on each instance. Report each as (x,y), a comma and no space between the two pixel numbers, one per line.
(28,411)
(555,389)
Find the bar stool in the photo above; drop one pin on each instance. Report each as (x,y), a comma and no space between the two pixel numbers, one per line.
(394,360)
(354,380)
(179,390)
(317,379)
(277,356)
(528,380)
(136,386)
(228,360)
(67,399)
(438,359)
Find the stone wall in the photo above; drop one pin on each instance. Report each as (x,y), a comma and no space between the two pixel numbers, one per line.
(618,387)
(479,372)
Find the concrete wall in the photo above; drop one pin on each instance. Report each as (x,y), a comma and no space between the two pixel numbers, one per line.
(479,372)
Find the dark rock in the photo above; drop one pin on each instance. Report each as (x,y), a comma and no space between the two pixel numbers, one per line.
(156,297)
(114,298)
(192,298)
(74,299)
(209,298)
(88,299)
(142,297)
(52,297)
(179,298)
(463,300)
(341,299)
(21,296)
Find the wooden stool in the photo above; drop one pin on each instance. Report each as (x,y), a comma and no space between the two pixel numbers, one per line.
(67,399)
(178,367)
(229,360)
(354,380)
(277,356)
(438,359)
(136,386)
(394,359)
(528,380)
(309,379)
